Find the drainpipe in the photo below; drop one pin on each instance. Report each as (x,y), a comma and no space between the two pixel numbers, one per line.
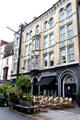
(19,53)
(78,17)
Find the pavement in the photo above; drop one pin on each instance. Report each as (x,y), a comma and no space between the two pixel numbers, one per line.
(6,114)
(66,114)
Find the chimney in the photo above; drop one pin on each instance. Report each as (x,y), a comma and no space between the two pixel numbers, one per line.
(34,18)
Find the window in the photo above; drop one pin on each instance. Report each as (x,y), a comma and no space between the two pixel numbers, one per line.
(30,47)
(70,30)
(62,34)
(16,53)
(51,22)
(71,53)
(37,29)
(15,67)
(30,34)
(37,61)
(46,25)
(45,60)
(33,44)
(27,35)
(26,50)
(62,14)
(25,64)
(17,41)
(69,9)
(29,64)
(45,41)
(51,59)
(37,43)
(51,39)
(33,62)
(63,56)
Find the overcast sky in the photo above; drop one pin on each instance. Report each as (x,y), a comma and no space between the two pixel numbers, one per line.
(15,12)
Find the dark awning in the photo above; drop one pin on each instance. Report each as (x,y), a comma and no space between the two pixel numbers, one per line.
(46,80)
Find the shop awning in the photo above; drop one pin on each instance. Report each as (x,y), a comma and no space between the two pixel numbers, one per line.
(46,80)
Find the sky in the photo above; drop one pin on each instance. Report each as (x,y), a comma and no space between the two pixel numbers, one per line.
(15,12)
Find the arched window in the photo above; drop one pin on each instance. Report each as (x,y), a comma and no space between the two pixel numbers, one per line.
(51,22)
(27,36)
(69,9)
(46,25)
(37,29)
(30,34)
(62,14)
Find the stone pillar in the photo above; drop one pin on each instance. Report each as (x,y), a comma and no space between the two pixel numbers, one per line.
(38,90)
(32,89)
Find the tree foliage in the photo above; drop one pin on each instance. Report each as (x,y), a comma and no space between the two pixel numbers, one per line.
(23,82)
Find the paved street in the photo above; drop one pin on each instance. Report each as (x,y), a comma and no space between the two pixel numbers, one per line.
(6,114)
(62,114)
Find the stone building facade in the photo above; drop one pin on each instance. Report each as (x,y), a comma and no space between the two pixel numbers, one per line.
(50,50)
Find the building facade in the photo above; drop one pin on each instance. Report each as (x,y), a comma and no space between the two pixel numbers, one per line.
(6,61)
(2,47)
(50,50)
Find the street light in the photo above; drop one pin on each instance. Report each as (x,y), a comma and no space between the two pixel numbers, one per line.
(19,53)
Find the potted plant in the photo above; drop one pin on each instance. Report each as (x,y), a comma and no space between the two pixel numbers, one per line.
(26,99)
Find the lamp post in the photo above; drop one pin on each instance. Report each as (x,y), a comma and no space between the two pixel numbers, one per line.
(19,53)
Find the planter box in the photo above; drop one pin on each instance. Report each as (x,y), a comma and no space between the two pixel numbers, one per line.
(25,102)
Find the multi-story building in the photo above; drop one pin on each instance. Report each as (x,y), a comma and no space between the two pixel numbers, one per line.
(7,61)
(2,47)
(50,50)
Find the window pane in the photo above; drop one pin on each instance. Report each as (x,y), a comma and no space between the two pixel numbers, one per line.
(26,36)
(45,41)
(37,43)
(46,25)
(70,30)
(71,53)
(26,50)
(62,34)
(37,29)
(30,34)
(62,14)
(51,38)
(45,60)
(17,41)
(33,46)
(37,61)
(69,10)
(51,59)
(51,23)
(30,47)
(63,56)
(25,64)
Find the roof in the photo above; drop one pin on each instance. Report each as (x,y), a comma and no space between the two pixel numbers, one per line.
(9,48)
(2,42)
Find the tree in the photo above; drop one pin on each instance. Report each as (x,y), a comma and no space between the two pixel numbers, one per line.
(14,93)
(23,82)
